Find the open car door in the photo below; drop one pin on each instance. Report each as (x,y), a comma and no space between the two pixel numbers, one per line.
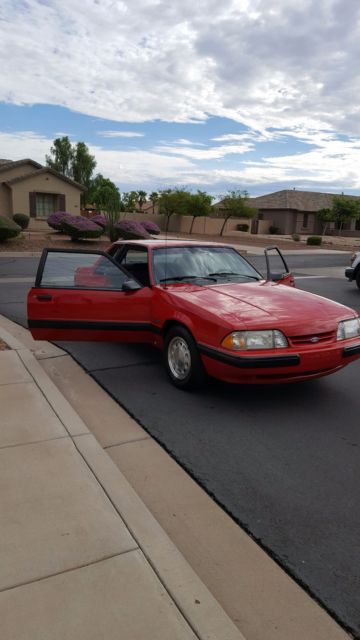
(277,269)
(85,295)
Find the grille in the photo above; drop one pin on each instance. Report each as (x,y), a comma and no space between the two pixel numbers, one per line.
(327,336)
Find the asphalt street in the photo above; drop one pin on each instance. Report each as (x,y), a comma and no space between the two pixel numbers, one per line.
(283,460)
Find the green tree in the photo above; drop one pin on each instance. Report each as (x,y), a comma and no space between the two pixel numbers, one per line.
(234,205)
(325,216)
(129,199)
(101,190)
(173,201)
(199,204)
(73,161)
(61,156)
(83,164)
(345,209)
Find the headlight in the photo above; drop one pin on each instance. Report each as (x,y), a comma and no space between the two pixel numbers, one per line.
(348,329)
(353,256)
(242,340)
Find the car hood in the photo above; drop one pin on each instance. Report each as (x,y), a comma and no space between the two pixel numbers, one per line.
(265,304)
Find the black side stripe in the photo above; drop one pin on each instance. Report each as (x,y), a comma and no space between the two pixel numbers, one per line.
(93,325)
(251,362)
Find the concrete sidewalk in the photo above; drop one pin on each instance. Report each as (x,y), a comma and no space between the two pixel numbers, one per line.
(82,557)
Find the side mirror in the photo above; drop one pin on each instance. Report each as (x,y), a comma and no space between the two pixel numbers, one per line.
(279,272)
(130,285)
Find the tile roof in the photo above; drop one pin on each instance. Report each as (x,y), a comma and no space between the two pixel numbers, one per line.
(293,199)
(45,170)
(9,164)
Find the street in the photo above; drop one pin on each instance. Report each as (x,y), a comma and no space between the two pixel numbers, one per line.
(282,460)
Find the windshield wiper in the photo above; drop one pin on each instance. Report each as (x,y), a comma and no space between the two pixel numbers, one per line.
(180,278)
(231,273)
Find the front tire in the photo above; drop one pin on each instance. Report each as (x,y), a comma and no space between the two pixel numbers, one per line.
(182,360)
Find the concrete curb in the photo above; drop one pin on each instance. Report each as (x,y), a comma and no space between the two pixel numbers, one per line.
(197,605)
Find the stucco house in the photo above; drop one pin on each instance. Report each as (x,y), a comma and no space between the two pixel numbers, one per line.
(28,187)
(293,211)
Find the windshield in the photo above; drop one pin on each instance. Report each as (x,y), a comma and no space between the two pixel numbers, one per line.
(203,265)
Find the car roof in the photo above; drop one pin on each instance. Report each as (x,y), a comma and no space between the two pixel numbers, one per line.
(168,242)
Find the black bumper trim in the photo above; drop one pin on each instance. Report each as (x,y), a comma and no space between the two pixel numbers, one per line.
(351,351)
(253,362)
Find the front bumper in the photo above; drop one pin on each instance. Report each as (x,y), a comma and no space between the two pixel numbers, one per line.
(349,273)
(291,366)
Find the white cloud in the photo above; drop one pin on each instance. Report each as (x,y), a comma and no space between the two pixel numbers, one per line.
(331,164)
(137,168)
(212,153)
(120,134)
(265,64)
(188,143)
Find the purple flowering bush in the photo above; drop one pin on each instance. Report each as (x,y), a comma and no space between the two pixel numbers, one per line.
(131,230)
(78,227)
(54,219)
(151,227)
(100,220)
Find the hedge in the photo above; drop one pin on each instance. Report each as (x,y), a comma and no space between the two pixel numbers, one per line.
(54,219)
(22,220)
(131,230)
(8,229)
(151,227)
(314,240)
(100,220)
(78,227)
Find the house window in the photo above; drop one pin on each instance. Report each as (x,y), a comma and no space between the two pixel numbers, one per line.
(305,220)
(46,203)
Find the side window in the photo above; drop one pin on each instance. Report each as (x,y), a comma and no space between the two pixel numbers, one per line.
(135,256)
(81,271)
(135,261)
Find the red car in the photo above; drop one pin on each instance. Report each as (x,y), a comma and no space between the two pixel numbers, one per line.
(203,304)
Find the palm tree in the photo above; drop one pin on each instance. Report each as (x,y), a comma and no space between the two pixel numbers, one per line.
(154,198)
(141,198)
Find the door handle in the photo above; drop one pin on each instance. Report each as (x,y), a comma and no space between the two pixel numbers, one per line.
(44,297)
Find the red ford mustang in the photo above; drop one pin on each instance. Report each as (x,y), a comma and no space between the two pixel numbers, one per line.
(202,303)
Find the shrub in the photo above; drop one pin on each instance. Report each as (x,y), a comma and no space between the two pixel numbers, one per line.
(131,230)
(54,219)
(151,227)
(242,227)
(8,228)
(314,240)
(100,220)
(296,237)
(78,227)
(273,230)
(22,220)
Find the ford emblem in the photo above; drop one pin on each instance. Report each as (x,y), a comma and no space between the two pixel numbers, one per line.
(314,339)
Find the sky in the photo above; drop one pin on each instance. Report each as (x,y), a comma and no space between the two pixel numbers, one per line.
(255,95)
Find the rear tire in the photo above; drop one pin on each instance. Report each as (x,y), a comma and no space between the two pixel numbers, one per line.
(182,360)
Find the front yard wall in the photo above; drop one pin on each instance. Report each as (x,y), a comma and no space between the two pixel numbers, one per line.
(202,225)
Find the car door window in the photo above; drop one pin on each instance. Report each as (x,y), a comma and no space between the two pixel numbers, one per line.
(80,270)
